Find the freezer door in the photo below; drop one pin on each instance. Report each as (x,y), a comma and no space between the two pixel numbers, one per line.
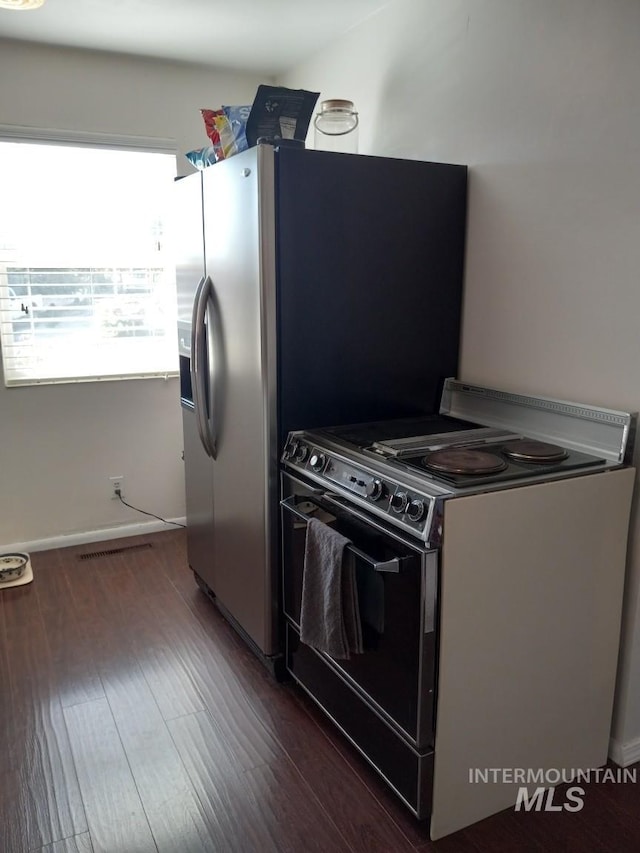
(188,226)
(238,215)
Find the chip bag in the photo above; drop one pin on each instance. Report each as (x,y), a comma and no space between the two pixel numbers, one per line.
(237,118)
(202,157)
(211,128)
(225,127)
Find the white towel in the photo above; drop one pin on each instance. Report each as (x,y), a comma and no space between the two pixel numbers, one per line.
(329,615)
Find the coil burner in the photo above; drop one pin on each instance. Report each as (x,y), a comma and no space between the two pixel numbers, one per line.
(463,461)
(527,450)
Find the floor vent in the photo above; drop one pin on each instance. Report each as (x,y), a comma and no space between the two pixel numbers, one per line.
(93,554)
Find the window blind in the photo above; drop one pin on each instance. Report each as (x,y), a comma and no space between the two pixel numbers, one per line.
(87,282)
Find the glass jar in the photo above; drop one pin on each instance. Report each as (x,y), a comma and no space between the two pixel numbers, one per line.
(336,127)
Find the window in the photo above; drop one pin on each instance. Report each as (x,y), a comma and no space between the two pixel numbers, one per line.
(87,284)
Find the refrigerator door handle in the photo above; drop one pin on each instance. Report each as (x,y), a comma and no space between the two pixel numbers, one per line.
(199,365)
(212,367)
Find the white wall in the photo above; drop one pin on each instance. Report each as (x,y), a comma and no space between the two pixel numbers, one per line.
(540,99)
(59,444)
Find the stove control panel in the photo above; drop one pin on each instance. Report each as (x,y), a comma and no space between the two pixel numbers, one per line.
(379,494)
(357,481)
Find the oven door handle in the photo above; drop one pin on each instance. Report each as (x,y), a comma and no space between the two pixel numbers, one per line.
(392,565)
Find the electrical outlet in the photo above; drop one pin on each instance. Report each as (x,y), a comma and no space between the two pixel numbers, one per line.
(116,486)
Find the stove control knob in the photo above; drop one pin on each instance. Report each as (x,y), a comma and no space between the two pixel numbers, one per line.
(399,502)
(301,452)
(375,490)
(317,461)
(416,510)
(291,449)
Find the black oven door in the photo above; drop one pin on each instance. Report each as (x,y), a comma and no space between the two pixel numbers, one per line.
(396,583)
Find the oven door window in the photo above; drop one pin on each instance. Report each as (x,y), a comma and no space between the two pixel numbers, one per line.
(395,672)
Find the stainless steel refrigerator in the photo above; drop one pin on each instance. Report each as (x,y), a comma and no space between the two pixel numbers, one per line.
(314,288)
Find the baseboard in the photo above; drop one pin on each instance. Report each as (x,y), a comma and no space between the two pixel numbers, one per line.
(624,754)
(103,535)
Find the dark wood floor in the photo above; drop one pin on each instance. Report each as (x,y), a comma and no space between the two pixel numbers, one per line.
(133,719)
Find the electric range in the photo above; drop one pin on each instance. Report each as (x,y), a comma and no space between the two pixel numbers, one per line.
(489,543)
(481,440)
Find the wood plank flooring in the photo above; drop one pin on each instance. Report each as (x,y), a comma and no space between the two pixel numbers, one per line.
(134,719)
